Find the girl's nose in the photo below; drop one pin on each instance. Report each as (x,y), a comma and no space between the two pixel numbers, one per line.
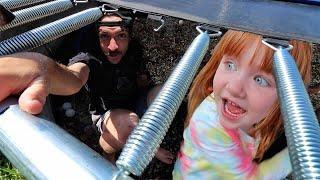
(236,87)
(113,45)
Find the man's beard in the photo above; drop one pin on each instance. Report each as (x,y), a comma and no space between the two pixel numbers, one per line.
(112,53)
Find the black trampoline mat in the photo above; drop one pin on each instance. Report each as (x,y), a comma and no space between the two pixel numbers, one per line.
(282,19)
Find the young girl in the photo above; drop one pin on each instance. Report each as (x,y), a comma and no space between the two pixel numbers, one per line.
(233,112)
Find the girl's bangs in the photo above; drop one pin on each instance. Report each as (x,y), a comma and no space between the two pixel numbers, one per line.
(237,41)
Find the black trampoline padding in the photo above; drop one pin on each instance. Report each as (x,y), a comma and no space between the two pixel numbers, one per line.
(280,19)
(313,2)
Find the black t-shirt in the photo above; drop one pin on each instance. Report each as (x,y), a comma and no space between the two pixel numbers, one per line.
(113,85)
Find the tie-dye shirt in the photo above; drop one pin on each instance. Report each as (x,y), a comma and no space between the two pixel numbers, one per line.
(211,152)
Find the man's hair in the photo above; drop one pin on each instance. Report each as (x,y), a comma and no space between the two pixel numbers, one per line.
(127,17)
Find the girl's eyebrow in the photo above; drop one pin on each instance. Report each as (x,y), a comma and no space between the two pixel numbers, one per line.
(227,56)
(268,75)
(263,72)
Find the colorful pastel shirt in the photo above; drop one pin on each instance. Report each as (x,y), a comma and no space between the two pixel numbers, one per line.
(211,152)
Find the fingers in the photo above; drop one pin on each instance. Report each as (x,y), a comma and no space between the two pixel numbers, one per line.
(4,93)
(164,156)
(33,98)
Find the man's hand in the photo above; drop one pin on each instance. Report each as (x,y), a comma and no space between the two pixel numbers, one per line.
(28,74)
(34,76)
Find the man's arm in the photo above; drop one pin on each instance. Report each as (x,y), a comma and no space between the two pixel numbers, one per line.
(35,76)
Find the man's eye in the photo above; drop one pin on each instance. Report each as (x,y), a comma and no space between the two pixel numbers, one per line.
(104,36)
(231,66)
(122,36)
(261,81)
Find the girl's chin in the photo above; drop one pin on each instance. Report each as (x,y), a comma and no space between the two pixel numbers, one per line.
(228,125)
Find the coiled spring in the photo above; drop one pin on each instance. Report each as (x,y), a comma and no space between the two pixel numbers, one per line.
(148,134)
(38,12)
(14,4)
(300,123)
(49,32)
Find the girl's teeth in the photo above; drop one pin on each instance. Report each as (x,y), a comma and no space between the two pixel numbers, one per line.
(228,111)
(233,108)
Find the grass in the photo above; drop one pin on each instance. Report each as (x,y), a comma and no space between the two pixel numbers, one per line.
(7,171)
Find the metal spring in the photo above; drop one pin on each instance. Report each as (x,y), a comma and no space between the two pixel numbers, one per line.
(300,123)
(148,134)
(14,4)
(49,32)
(38,12)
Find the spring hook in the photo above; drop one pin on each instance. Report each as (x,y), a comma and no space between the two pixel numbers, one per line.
(212,32)
(106,8)
(277,44)
(76,2)
(157,18)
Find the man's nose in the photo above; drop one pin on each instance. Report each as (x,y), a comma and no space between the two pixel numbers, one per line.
(236,87)
(112,45)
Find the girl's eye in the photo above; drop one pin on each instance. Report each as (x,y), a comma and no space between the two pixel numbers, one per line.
(261,81)
(231,66)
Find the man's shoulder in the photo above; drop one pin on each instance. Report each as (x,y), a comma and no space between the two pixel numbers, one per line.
(134,54)
(79,57)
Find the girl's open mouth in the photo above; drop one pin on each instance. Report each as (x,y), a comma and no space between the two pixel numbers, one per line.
(232,110)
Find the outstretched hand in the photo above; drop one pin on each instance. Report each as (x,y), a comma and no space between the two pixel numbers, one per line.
(25,74)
